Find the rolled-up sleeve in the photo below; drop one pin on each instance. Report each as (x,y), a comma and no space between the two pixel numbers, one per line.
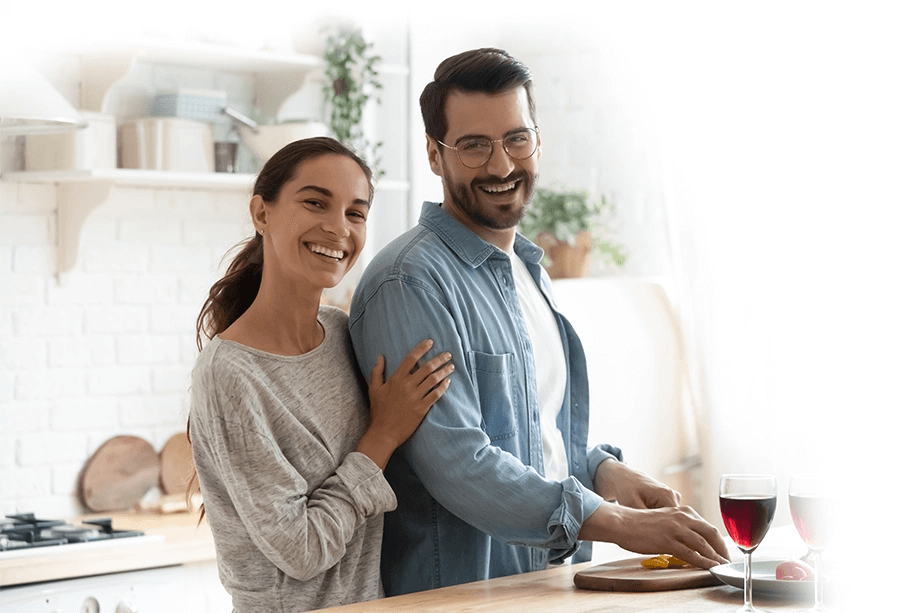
(451,452)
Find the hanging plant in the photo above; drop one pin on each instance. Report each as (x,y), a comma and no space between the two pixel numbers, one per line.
(352,81)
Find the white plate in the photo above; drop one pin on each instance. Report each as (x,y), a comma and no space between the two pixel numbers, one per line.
(763,575)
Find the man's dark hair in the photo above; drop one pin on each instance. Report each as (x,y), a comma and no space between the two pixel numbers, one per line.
(491,71)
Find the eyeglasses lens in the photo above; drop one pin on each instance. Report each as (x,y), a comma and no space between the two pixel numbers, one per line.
(475,152)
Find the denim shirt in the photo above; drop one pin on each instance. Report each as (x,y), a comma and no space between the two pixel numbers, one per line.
(472,499)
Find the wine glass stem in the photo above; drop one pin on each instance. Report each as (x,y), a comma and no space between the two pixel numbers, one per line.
(748,584)
(819,588)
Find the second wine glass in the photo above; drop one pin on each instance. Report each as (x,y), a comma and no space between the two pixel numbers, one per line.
(812,503)
(748,504)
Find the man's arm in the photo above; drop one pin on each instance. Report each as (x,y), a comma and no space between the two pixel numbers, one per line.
(450,452)
(489,488)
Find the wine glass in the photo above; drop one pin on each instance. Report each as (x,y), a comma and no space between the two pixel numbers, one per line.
(812,504)
(748,503)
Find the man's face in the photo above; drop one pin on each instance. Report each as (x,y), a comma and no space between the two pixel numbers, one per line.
(491,198)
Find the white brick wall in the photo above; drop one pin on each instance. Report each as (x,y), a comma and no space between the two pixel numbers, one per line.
(108,349)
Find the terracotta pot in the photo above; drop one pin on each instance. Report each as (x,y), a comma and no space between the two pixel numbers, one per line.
(566,261)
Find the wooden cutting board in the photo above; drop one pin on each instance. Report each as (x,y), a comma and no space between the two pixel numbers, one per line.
(630,576)
(118,475)
(176,464)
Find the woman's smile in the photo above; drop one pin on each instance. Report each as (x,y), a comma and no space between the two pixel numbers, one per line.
(332,254)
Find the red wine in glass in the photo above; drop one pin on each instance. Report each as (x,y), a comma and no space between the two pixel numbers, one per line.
(748,503)
(813,517)
(747,518)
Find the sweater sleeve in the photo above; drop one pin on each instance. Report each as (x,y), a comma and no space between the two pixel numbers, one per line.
(300,522)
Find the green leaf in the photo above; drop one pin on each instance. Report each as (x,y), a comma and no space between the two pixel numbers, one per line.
(565,213)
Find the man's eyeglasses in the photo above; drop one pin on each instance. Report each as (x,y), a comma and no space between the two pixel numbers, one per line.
(476,151)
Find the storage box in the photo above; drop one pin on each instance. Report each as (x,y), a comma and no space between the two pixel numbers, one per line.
(197,104)
(162,143)
(88,148)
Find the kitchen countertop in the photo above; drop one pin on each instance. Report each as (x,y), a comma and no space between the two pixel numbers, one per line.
(182,541)
(554,590)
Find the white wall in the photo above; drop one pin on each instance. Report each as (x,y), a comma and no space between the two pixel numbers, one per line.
(107,351)
(789,133)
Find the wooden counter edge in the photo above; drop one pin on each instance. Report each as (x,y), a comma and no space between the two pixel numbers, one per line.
(554,589)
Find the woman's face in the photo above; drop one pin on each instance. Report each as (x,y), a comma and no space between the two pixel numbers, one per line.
(315,230)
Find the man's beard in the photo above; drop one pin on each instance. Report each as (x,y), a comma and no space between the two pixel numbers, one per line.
(465,197)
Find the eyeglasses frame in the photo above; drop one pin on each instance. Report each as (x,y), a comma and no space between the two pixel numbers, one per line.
(501,140)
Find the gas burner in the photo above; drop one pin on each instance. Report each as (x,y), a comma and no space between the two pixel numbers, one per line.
(25,531)
(29,519)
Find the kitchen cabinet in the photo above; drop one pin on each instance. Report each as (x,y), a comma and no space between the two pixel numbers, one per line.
(110,75)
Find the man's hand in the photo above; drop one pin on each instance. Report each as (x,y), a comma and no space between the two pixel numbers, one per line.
(631,488)
(679,531)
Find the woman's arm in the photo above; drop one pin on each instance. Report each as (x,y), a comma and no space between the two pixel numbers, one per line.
(268,468)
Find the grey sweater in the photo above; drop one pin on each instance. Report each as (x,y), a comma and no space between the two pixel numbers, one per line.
(297,516)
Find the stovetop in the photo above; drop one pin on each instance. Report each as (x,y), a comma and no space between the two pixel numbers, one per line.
(24,531)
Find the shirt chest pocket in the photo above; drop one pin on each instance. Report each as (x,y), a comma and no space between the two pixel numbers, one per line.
(495,382)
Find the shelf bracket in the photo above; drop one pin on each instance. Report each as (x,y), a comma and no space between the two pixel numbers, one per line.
(99,74)
(76,201)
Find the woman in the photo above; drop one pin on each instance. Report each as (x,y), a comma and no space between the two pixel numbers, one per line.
(288,458)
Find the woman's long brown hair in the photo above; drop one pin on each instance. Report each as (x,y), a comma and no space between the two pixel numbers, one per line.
(235,292)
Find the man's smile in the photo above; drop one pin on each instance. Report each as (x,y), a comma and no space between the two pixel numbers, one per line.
(499,188)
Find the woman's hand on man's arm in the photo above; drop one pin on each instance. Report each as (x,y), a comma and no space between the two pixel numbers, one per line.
(400,404)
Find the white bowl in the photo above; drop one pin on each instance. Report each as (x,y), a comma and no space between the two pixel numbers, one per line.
(270,139)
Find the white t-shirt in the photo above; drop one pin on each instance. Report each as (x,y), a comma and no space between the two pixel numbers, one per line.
(549,361)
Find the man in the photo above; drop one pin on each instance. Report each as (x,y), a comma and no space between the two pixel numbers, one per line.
(498,478)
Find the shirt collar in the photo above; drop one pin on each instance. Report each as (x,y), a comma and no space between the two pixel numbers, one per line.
(468,245)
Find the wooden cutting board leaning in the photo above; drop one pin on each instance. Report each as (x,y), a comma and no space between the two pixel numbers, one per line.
(630,576)
(118,475)
(176,464)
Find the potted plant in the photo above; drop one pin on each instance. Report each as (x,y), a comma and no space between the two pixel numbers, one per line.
(352,82)
(568,226)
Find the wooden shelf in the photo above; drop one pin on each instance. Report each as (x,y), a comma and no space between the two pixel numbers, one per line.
(221,57)
(80,192)
(139,178)
(158,179)
(202,55)
(224,57)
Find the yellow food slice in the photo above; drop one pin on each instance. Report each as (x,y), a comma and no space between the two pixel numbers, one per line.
(664,561)
(656,562)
